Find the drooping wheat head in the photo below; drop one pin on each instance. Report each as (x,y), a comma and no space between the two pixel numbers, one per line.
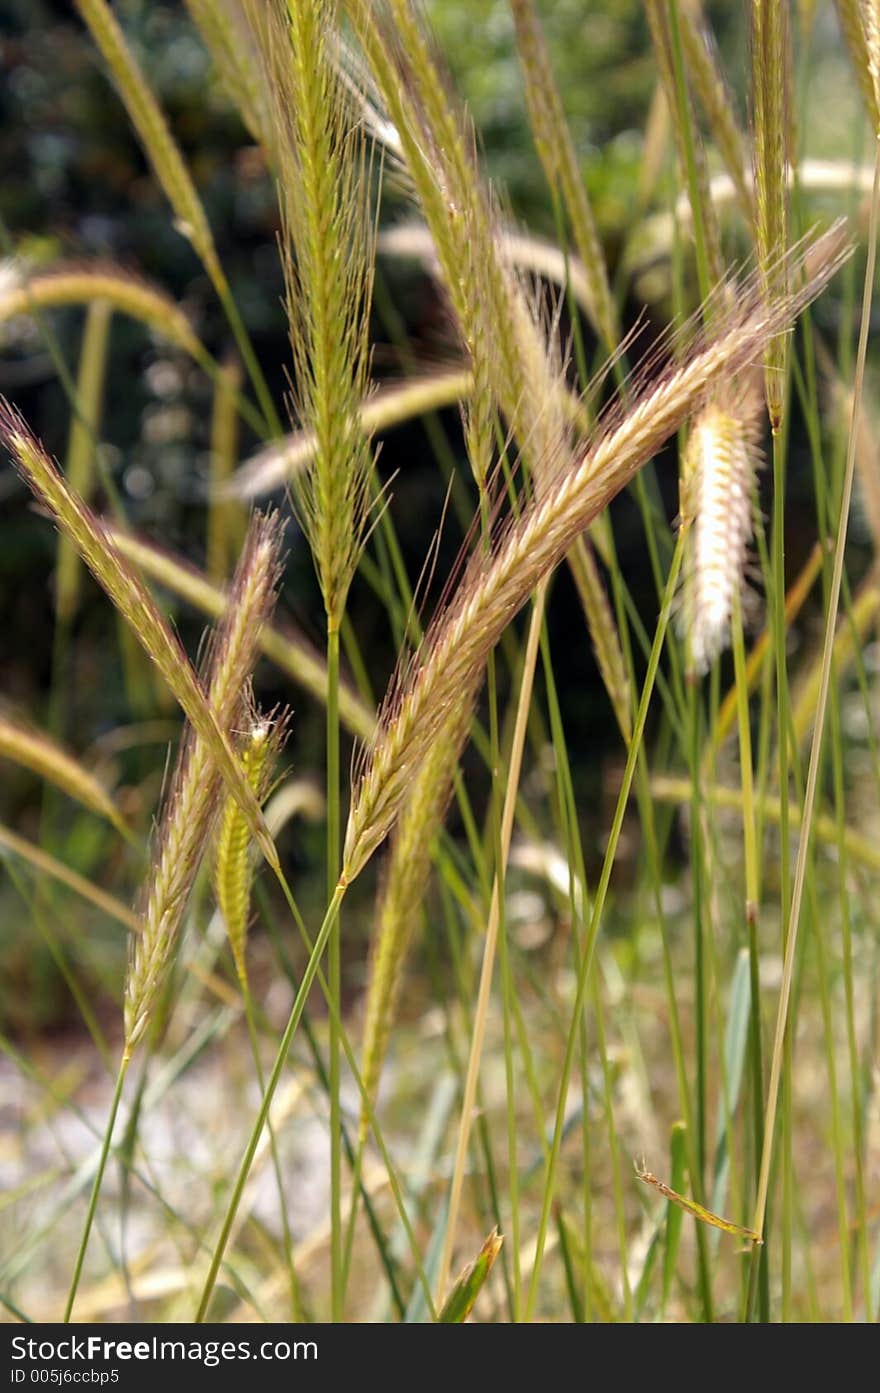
(260,743)
(529,547)
(193,798)
(133,602)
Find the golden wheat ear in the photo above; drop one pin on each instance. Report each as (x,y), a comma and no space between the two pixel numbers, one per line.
(260,743)
(328,253)
(718,472)
(452,658)
(193,799)
(134,603)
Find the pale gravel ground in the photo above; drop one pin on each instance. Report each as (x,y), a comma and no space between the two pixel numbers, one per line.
(192,1138)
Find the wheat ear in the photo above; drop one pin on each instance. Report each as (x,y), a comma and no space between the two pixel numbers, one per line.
(718,472)
(663,22)
(711,89)
(327,253)
(153,131)
(437,144)
(851,16)
(282,645)
(452,657)
(134,603)
(192,802)
(233,860)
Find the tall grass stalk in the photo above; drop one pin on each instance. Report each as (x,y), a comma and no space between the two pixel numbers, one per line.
(491,941)
(598,906)
(173,176)
(816,748)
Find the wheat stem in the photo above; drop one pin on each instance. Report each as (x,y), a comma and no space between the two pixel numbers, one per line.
(584,975)
(266,1102)
(481,1010)
(818,731)
(96,1190)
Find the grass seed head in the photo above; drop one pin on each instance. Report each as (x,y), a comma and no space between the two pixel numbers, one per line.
(194,795)
(717,482)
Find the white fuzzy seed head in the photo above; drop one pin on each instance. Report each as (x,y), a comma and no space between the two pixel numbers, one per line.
(716,503)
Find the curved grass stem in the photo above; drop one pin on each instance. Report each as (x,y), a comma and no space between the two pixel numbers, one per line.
(596,916)
(491,943)
(275,1073)
(816,747)
(96,1189)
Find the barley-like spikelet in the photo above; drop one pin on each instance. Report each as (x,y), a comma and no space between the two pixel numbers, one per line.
(222,26)
(226,521)
(82,284)
(279,462)
(285,647)
(84,426)
(328,251)
(558,156)
(688,142)
(152,128)
(403,890)
(717,481)
(134,603)
(437,145)
(771,60)
(233,860)
(192,802)
(34,750)
(714,97)
(492,590)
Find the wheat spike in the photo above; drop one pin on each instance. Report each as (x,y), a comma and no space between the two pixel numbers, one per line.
(134,603)
(452,657)
(558,156)
(716,507)
(233,860)
(193,798)
(154,133)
